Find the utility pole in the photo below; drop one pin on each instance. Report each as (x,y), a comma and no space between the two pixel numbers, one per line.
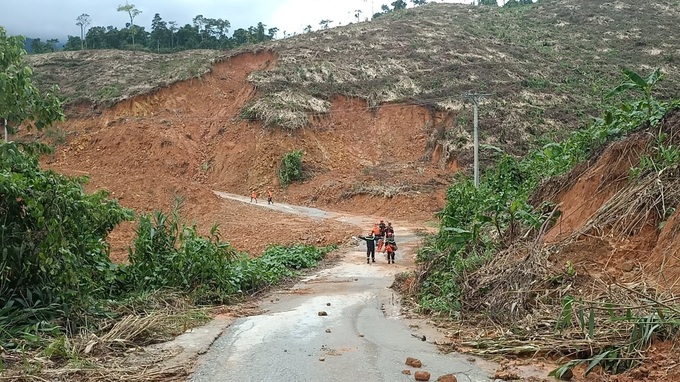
(475,98)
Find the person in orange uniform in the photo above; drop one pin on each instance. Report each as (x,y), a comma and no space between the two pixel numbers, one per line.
(376,233)
(253,196)
(270,197)
(390,249)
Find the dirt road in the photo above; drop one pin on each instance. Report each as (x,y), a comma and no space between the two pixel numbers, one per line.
(362,337)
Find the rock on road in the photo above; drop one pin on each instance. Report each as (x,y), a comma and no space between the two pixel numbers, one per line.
(362,337)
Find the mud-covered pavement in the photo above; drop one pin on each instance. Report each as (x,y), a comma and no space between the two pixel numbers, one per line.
(362,337)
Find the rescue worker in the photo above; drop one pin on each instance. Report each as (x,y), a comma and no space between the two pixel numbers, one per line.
(389,228)
(376,233)
(390,249)
(382,227)
(370,246)
(381,240)
(253,196)
(270,197)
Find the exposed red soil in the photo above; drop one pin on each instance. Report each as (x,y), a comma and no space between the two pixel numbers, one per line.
(649,252)
(186,140)
(595,187)
(662,364)
(650,255)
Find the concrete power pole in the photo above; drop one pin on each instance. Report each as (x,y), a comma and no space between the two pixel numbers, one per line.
(475,98)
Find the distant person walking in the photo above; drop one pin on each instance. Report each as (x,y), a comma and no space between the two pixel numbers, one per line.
(370,247)
(270,197)
(253,196)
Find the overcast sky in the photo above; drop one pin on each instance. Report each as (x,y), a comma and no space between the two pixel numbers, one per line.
(56,19)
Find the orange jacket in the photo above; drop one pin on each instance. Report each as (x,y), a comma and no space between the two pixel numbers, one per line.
(389,247)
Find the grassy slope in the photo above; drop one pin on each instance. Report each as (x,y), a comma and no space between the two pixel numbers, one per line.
(547,66)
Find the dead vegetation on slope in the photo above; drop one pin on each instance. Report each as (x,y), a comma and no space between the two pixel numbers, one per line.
(109,76)
(546,66)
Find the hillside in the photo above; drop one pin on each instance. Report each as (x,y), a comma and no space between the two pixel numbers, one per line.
(535,61)
(379,102)
(577,267)
(102,78)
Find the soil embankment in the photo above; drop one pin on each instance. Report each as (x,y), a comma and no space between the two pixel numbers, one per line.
(182,142)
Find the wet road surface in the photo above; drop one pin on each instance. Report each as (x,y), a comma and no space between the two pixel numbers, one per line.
(362,337)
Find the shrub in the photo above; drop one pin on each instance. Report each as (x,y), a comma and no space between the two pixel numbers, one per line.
(169,254)
(291,167)
(54,257)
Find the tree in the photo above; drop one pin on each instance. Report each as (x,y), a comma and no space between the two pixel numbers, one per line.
(399,4)
(418,2)
(241,37)
(21,103)
(307,29)
(83,21)
(515,3)
(187,37)
(37,46)
(199,23)
(96,37)
(173,28)
(159,30)
(113,38)
(493,3)
(261,36)
(73,43)
(51,44)
(324,23)
(272,32)
(357,14)
(132,12)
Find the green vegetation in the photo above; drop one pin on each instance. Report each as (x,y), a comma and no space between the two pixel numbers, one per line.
(20,101)
(490,226)
(291,167)
(54,260)
(662,324)
(61,297)
(478,222)
(56,276)
(164,36)
(168,254)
